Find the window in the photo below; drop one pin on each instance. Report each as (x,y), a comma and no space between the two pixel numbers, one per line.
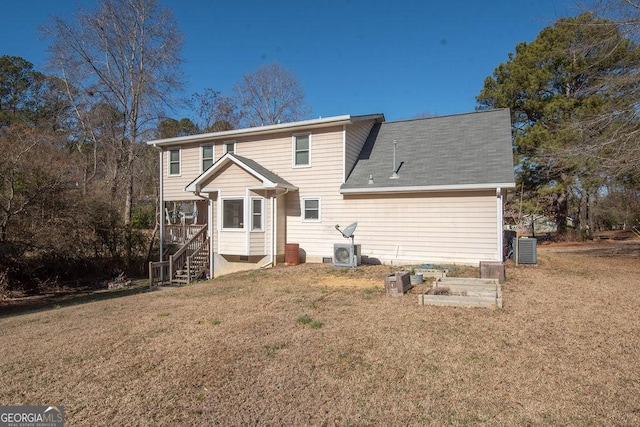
(257,207)
(207,157)
(311,209)
(230,147)
(174,161)
(301,150)
(233,213)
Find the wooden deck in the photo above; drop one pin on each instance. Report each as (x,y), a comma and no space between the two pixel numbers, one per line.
(181,233)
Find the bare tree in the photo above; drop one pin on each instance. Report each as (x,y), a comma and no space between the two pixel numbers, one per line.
(271,95)
(216,112)
(125,55)
(614,136)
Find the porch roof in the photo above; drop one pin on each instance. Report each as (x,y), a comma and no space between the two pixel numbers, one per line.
(270,180)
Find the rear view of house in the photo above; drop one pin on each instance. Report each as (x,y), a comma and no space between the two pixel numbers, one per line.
(424,190)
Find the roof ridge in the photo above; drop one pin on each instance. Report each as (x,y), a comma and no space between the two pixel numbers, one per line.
(492,110)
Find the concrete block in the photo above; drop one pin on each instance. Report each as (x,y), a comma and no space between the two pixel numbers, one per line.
(492,270)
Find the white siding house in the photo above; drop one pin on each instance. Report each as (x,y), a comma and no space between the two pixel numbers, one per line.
(257,189)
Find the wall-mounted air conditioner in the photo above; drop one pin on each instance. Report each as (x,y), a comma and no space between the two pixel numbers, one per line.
(347,255)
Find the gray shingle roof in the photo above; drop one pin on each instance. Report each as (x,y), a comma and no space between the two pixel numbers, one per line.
(271,176)
(458,151)
(253,166)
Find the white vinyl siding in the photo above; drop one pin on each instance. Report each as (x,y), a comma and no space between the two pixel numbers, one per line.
(356,137)
(452,227)
(301,150)
(190,163)
(232,180)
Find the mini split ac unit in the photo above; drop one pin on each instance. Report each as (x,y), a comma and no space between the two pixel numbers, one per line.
(346,255)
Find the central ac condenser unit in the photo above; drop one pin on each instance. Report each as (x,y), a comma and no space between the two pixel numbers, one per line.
(346,255)
(525,250)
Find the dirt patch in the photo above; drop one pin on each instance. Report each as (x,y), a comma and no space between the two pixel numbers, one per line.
(233,351)
(351,283)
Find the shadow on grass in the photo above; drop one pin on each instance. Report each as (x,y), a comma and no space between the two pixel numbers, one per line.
(57,300)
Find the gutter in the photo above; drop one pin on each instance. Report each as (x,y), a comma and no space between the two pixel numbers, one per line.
(259,130)
(426,188)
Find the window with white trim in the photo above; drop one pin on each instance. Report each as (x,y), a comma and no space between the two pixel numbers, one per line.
(301,150)
(233,214)
(311,209)
(173,160)
(207,156)
(229,147)
(257,210)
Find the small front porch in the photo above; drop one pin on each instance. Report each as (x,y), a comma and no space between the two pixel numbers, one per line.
(183,220)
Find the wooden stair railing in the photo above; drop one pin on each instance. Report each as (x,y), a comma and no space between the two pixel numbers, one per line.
(165,271)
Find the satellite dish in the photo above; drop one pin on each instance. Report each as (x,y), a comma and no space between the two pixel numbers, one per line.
(348,231)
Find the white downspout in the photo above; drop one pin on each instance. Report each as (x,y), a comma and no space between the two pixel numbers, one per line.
(500,225)
(344,153)
(162,213)
(210,237)
(247,224)
(274,227)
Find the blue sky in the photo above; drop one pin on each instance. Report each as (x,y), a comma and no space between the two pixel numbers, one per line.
(402,58)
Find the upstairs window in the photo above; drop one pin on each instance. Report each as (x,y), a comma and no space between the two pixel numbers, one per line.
(230,147)
(301,150)
(207,157)
(174,162)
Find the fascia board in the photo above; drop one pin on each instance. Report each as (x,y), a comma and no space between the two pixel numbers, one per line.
(427,188)
(260,130)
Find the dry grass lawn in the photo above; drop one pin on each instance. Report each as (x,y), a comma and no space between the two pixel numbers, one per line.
(314,345)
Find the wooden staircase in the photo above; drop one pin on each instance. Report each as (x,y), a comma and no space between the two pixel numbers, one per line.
(187,264)
(195,266)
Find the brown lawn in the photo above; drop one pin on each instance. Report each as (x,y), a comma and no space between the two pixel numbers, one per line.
(565,350)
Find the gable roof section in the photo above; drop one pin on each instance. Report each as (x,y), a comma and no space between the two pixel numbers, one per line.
(265,130)
(456,152)
(269,179)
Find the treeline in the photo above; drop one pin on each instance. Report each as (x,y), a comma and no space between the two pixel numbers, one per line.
(61,198)
(574,99)
(78,184)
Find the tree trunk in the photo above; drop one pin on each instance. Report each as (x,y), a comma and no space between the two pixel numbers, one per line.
(561,212)
(128,204)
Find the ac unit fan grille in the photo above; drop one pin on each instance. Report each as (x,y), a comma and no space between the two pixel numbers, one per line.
(343,255)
